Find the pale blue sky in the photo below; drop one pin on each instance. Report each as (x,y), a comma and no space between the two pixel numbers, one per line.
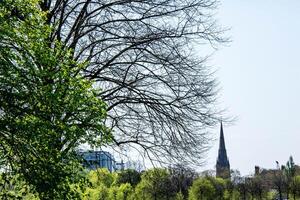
(259,73)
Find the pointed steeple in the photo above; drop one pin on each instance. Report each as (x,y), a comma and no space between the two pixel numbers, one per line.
(222,140)
(222,157)
(223,166)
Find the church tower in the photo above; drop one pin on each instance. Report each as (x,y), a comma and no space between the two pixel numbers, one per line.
(223,166)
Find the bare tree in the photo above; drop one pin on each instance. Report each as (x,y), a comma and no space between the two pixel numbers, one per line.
(182,178)
(279,180)
(160,94)
(256,187)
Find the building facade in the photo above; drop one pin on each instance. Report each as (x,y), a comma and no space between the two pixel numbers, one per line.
(222,166)
(98,159)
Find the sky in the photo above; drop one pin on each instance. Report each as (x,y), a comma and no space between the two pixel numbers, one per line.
(259,76)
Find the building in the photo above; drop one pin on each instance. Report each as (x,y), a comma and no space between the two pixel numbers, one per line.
(222,166)
(270,175)
(120,166)
(98,159)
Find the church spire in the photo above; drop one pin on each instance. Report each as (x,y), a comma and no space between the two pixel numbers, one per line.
(223,166)
(222,141)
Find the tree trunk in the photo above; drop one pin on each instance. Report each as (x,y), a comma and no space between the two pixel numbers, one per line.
(280,194)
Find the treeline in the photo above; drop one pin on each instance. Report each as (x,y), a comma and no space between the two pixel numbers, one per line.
(152,184)
(167,184)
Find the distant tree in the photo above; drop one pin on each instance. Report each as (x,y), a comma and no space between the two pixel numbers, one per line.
(290,168)
(155,185)
(128,176)
(180,196)
(279,181)
(101,176)
(202,189)
(182,179)
(102,185)
(256,188)
(101,192)
(113,192)
(242,188)
(295,187)
(125,192)
(220,187)
(231,185)
(289,173)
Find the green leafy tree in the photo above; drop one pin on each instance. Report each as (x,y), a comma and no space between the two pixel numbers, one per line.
(125,192)
(47,108)
(155,185)
(102,186)
(289,172)
(220,186)
(202,189)
(101,192)
(295,187)
(101,176)
(179,196)
(113,191)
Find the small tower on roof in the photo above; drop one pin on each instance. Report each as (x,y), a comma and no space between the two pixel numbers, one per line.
(223,166)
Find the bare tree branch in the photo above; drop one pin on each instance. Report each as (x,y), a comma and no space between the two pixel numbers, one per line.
(160,94)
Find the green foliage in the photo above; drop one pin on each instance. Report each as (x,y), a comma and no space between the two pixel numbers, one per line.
(232,195)
(208,187)
(295,186)
(101,176)
(290,168)
(102,186)
(128,176)
(179,196)
(202,189)
(113,191)
(101,192)
(271,195)
(13,187)
(155,184)
(47,107)
(289,173)
(219,185)
(125,192)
